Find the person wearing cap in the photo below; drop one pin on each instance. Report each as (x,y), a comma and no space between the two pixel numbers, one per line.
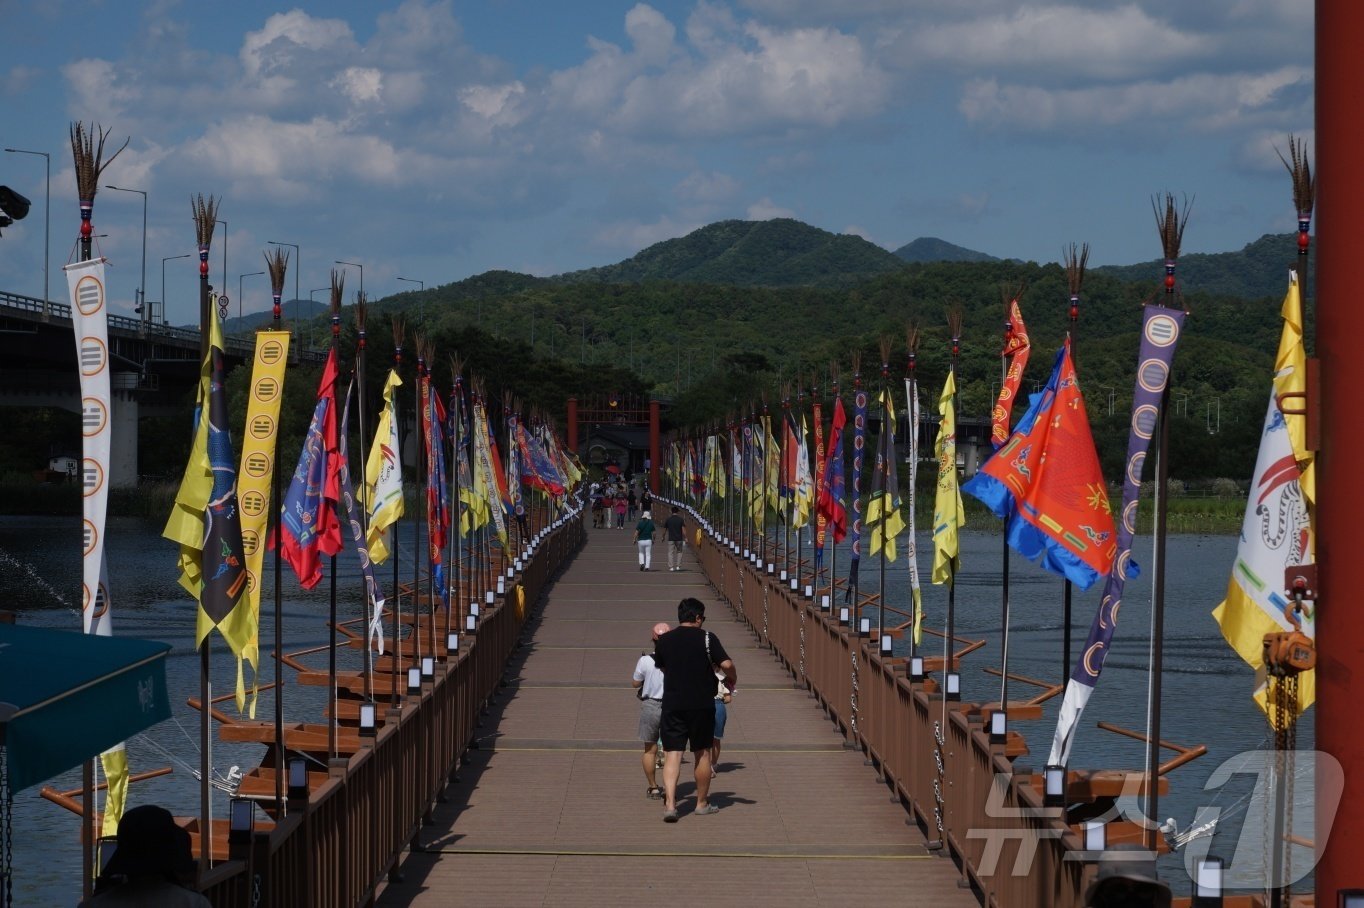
(644,541)
(648,683)
(1127,878)
(149,866)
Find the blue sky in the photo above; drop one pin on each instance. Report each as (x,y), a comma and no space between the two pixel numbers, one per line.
(433,139)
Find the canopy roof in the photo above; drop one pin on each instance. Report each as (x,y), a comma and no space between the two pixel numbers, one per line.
(66,696)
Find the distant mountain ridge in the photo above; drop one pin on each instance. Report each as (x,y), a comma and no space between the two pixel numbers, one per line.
(1258,269)
(932,249)
(777,253)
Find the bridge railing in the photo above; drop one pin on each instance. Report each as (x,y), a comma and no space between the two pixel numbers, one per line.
(236,345)
(1009,849)
(355,826)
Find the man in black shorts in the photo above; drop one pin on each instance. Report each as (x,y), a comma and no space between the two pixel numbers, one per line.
(689,657)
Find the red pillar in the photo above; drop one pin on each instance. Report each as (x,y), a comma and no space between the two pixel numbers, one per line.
(573,424)
(1340,494)
(654,452)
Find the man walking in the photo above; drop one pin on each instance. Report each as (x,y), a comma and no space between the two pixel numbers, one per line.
(677,538)
(690,657)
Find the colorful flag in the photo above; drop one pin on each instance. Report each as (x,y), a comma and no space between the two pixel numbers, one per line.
(437,493)
(1046,484)
(883,504)
(308,522)
(911,545)
(948,516)
(221,604)
(1277,532)
(859,445)
(1160,333)
(803,486)
(384,475)
(254,487)
(831,494)
(90,327)
(373,594)
(821,522)
(1017,347)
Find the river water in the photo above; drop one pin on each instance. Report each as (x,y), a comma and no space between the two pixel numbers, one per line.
(1206,686)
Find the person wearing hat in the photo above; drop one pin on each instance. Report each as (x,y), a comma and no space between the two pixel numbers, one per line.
(644,541)
(648,684)
(1127,878)
(149,866)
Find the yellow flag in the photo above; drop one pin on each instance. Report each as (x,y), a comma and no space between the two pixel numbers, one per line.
(186,522)
(115,763)
(384,475)
(1290,387)
(254,481)
(948,516)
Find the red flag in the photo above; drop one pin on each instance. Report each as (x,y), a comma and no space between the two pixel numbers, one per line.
(1017,346)
(831,505)
(309,525)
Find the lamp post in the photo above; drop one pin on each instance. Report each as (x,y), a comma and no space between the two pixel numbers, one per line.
(163,280)
(362,273)
(1109,389)
(142,283)
(298,266)
(421,306)
(239,290)
(47,217)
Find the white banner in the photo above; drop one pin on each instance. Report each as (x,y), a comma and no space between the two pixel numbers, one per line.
(90,325)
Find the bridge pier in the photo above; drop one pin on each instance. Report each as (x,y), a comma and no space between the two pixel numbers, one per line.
(123,425)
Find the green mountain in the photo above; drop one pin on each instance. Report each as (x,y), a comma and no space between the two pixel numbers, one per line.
(291,310)
(1258,270)
(932,249)
(776,253)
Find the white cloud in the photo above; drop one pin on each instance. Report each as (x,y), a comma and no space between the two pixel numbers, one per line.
(632,236)
(651,33)
(1199,101)
(706,187)
(285,37)
(765,210)
(361,84)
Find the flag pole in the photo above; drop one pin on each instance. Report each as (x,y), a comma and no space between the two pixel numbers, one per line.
(204,212)
(887,455)
(855,500)
(1004,537)
(333,745)
(395,702)
(1170,223)
(422,505)
(87,151)
(278,266)
(954,322)
(1075,276)
(833,544)
(912,435)
(361,305)
(457,522)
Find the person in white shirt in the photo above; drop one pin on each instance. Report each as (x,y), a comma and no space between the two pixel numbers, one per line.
(648,683)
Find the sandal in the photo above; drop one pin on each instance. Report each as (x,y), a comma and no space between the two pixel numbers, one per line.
(654,793)
(706,811)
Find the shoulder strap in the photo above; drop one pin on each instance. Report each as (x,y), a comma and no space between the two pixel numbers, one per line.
(708,645)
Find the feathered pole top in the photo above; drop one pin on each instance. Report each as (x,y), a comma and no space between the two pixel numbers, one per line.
(276,263)
(1170,223)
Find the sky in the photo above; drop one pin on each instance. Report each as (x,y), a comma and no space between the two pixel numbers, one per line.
(433,139)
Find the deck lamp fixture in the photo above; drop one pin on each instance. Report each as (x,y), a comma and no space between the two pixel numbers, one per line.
(783,575)
(414,680)
(1207,883)
(502,583)
(864,627)
(1095,834)
(241,821)
(489,597)
(844,616)
(107,844)
(471,623)
(771,569)
(824,603)
(452,642)
(953,686)
(916,669)
(298,779)
(999,726)
(887,645)
(428,668)
(473,609)
(1351,898)
(809,592)
(1054,785)
(367,719)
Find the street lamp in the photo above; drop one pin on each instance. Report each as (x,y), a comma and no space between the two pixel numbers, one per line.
(362,273)
(239,290)
(142,284)
(163,280)
(298,265)
(1109,389)
(421,305)
(47,216)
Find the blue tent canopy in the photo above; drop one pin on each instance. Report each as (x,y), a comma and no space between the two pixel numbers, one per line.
(67,696)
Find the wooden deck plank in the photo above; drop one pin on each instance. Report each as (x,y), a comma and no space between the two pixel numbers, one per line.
(551,809)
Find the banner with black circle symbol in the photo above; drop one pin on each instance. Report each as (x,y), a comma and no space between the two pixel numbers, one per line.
(254,480)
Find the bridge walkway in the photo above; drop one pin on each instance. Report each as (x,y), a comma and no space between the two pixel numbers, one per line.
(551,809)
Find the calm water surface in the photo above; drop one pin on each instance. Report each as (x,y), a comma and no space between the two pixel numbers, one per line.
(1206,686)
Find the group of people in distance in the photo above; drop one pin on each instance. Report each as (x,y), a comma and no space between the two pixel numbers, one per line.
(616,501)
(685,685)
